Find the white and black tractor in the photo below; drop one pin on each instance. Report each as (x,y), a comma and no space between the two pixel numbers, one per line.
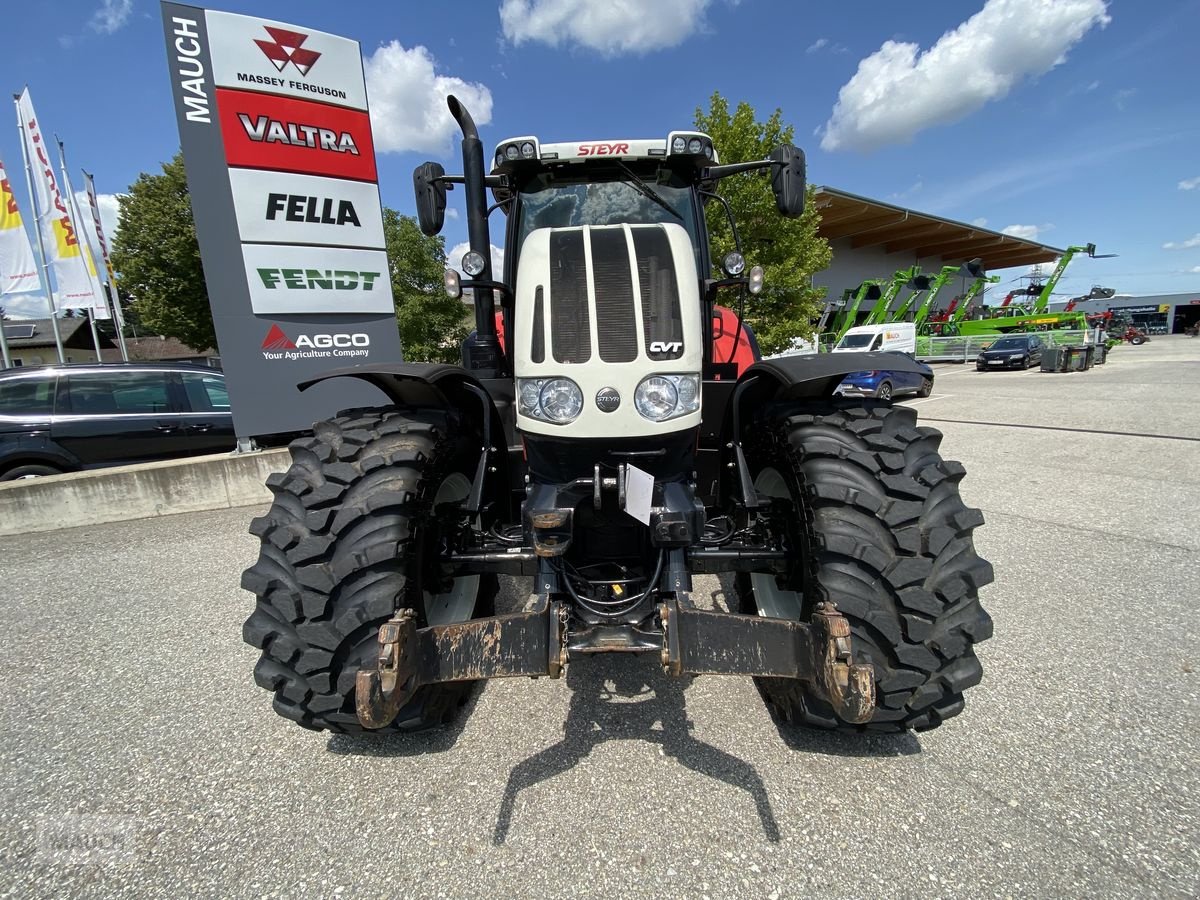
(594,443)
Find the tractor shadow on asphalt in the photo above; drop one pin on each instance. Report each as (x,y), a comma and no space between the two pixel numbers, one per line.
(623,698)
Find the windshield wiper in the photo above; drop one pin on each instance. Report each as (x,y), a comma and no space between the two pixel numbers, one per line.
(646,191)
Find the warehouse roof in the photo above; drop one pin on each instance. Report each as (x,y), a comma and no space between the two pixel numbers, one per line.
(872,223)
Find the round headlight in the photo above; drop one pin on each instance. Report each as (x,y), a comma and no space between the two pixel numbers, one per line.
(694,145)
(530,391)
(499,157)
(756,279)
(561,400)
(708,151)
(511,151)
(689,391)
(473,263)
(527,149)
(678,145)
(734,263)
(655,398)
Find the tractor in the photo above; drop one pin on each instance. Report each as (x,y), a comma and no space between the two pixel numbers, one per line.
(599,450)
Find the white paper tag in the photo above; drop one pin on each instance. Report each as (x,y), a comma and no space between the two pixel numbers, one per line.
(639,493)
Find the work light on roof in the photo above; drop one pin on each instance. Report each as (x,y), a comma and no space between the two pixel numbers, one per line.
(512,151)
(527,150)
(694,145)
(678,145)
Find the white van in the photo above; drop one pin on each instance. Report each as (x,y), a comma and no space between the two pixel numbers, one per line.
(900,337)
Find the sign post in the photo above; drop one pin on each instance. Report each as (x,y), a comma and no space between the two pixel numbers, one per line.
(280,161)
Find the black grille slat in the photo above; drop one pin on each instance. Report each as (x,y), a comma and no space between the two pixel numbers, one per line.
(537,346)
(661,321)
(616,325)
(571,325)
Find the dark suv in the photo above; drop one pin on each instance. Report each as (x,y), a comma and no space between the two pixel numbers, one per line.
(1014,351)
(64,418)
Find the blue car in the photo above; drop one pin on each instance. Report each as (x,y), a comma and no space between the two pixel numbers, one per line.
(884,384)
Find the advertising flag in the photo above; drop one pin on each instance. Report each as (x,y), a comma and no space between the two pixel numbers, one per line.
(102,243)
(18,271)
(74,270)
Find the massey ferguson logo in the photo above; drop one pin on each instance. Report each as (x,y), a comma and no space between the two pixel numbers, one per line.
(264,129)
(287,47)
(318,345)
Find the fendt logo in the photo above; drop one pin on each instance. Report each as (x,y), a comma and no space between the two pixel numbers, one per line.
(318,345)
(287,47)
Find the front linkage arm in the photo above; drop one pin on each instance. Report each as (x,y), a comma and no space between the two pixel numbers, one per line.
(694,642)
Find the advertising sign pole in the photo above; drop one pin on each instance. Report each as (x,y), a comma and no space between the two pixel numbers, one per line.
(37,218)
(280,160)
(114,297)
(99,307)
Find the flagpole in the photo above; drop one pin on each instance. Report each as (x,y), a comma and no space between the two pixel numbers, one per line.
(37,227)
(85,250)
(4,347)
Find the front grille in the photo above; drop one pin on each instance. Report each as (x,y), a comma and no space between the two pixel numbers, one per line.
(571,325)
(661,320)
(616,326)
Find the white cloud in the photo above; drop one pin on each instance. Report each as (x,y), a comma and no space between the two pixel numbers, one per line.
(1091,87)
(899,91)
(408,100)
(1122,97)
(1193,241)
(1025,232)
(817,45)
(610,27)
(1194,270)
(1190,184)
(981,222)
(111,15)
(451,212)
(25,306)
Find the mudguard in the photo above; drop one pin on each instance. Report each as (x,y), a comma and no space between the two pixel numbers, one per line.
(819,374)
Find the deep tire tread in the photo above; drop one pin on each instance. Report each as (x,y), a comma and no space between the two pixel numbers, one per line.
(889,540)
(335,553)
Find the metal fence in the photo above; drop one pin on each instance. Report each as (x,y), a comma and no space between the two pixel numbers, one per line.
(966,348)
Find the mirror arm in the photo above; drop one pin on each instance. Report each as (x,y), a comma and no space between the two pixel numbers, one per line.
(717,172)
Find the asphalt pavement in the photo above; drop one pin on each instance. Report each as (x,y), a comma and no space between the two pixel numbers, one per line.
(137,757)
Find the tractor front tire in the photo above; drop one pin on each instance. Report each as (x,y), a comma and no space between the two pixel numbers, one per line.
(878,527)
(348,539)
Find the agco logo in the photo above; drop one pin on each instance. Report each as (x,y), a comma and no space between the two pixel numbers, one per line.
(287,47)
(278,345)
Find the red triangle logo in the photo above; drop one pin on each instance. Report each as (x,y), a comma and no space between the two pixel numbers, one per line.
(277,340)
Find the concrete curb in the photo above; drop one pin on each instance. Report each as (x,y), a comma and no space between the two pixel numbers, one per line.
(164,488)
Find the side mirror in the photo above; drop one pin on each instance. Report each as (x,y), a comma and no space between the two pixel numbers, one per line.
(788,180)
(431,197)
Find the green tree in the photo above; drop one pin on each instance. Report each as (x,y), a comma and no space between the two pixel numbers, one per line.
(158,260)
(432,325)
(789,250)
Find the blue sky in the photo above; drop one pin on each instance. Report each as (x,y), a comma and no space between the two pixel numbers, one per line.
(1066,120)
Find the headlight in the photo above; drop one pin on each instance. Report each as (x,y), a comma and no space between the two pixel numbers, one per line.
(678,145)
(527,150)
(662,397)
(473,263)
(557,400)
(734,263)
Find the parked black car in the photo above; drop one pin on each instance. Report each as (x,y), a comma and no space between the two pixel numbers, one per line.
(64,418)
(1014,351)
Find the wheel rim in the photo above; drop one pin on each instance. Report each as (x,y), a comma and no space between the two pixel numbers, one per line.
(885,391)
(769,597)
(456,604)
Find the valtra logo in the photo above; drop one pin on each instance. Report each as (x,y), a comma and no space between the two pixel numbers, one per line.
(287,47)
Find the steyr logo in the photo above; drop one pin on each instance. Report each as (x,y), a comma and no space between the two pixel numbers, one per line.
(287,47)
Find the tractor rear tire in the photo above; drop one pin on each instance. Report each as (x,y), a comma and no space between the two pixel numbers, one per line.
(349,538)
(881,531)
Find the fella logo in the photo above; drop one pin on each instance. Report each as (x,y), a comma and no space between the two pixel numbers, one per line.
(287,47)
